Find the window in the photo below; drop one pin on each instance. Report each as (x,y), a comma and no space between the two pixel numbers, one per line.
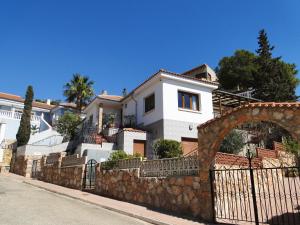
(188,101)
(149,103)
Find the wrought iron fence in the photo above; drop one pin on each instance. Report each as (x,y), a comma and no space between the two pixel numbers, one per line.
(259,195)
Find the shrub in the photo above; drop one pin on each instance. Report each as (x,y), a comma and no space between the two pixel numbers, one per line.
(67,125)
(293,147)
(233,143)
(167,149)
(117,155)
(113,158)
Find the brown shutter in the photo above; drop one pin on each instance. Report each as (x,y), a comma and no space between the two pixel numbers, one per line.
(139,146)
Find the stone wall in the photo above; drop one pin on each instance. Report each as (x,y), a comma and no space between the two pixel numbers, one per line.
(176,194)
(7,155)
(67,171)
(22,165)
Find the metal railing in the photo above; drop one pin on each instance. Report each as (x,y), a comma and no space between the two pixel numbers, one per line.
(257,195)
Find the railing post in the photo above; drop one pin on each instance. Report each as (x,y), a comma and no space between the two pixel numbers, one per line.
(253,191)
(211,177)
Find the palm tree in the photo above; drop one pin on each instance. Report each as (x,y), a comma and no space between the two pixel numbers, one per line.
(79,90)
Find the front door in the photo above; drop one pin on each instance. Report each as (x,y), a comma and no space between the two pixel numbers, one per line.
(139,146)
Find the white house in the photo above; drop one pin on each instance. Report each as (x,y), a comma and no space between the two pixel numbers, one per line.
(43,137)
(165,106)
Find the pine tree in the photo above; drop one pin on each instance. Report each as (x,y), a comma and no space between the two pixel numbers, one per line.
(24,131)
(265,49)
(275,80)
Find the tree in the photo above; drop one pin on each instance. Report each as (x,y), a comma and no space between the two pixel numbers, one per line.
(124,92)
(79,90)
(167,148)
(237,72)
(23,134)
(67,125)
(275,80)
(293,147)
(272,79)
(233,143)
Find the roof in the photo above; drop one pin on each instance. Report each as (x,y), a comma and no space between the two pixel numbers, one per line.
(110,97)
(195,68)
(230,99)
(133,130)
(69,105)
(235,160)
(17,98)
(174,75)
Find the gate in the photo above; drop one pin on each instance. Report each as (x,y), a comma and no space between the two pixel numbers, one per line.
(34,169)
(257,195)
(90,175)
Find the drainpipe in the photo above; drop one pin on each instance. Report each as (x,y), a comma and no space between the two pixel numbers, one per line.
(135,108)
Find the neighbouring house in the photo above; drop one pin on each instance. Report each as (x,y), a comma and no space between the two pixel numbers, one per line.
(165,106)
(60,109)
(11,109)
(43,136)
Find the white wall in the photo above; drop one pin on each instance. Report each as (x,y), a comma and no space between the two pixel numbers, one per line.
(126,138)
(170,99)
(152,116)
(94,110)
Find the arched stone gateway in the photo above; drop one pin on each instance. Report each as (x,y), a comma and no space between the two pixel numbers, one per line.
(212,133)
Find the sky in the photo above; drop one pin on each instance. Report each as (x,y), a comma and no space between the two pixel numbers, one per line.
(118,44)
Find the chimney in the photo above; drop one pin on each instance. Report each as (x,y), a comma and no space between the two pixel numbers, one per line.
(104,92)
(48,102)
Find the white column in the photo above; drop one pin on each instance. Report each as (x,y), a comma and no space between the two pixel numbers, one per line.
(13,112)
(100,117)
(2,131)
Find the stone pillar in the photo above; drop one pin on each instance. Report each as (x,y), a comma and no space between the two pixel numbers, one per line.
(206,206)
(100,117)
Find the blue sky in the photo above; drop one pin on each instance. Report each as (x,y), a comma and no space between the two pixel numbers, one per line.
(120,43)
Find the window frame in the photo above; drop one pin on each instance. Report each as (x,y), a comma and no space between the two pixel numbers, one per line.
(147,97)
(183,93)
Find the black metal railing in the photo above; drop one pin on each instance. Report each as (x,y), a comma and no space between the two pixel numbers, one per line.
(89,178)
(258,195)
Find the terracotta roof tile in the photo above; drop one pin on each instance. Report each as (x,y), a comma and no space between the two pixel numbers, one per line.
(235,160)
(20,99)
(111,97)
(172,74)
(253,105)
(133,130)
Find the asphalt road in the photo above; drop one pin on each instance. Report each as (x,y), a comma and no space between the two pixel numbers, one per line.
(22,204)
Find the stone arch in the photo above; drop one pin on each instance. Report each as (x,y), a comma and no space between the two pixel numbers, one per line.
(212,133)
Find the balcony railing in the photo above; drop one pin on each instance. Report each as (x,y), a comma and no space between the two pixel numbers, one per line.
(16,115)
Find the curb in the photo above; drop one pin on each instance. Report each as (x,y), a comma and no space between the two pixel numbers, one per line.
(146,219)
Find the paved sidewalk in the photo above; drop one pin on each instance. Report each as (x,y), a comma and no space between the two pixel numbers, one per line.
(136,211)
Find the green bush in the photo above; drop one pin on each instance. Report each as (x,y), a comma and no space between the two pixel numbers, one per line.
(67,125)
(117,155)
(113,158)
(167,148)
(233,143)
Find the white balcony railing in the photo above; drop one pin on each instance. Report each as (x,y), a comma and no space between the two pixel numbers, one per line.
(16,115)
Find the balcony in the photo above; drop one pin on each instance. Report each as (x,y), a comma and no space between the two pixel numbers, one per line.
(16,115)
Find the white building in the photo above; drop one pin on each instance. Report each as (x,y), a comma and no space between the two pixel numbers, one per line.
(165,106)
(43,116)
